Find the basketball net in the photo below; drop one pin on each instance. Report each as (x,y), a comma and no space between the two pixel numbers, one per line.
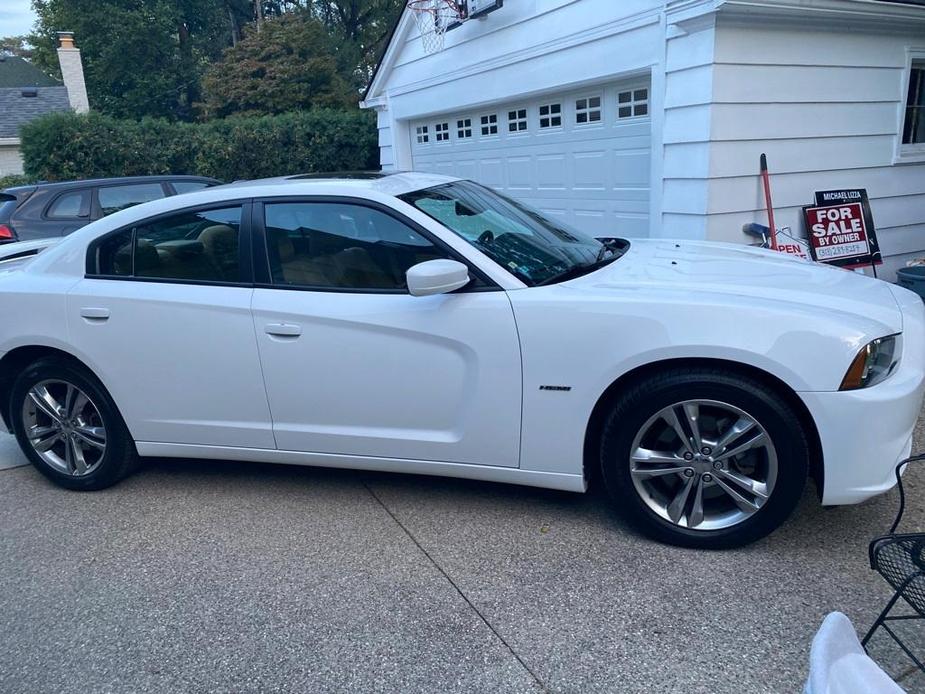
(432,18)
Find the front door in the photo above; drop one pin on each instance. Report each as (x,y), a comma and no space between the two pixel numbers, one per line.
(355,365)
(164,319)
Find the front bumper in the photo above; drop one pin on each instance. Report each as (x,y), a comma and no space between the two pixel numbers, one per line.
(865,433)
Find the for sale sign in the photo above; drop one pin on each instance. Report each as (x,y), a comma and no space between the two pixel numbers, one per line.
(840,229)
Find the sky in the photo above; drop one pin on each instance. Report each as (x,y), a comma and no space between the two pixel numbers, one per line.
(16,17)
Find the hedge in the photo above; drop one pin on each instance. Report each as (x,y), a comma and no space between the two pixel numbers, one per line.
(66,145)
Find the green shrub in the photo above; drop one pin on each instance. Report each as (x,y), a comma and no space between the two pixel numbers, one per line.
(63,146)
(14,180)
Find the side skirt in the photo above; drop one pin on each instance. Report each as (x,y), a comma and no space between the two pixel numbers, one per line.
(487,473)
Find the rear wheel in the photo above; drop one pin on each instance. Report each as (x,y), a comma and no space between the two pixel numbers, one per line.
(68,426)
(704,458)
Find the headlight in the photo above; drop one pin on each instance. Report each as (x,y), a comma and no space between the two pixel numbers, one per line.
(873,364)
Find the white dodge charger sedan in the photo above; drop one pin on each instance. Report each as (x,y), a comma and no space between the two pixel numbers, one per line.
(425,324)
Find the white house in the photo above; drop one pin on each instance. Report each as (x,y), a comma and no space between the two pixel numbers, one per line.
(648,117)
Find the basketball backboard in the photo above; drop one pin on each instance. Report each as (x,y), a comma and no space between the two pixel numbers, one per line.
(473,9)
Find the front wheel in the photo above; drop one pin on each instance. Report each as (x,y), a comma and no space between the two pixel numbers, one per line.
(704,458)
(69,427)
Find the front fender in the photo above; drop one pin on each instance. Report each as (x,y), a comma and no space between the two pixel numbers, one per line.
(584,343)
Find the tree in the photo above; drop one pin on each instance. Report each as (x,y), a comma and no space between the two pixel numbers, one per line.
(289,65)
(16,45)
(142,57)
(361,27)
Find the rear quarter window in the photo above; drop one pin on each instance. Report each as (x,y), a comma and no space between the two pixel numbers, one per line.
(71,205)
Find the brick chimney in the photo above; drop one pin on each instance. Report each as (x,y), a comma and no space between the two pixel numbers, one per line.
(72,71)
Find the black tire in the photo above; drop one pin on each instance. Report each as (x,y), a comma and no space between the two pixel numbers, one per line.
(645,398)
(118,459)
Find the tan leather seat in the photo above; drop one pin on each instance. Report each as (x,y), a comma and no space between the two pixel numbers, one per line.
(220,243)
(298,269)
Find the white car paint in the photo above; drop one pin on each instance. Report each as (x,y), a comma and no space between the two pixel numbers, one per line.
(450,384)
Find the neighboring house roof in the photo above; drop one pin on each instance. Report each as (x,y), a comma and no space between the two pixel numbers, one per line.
(18,72)
(16,109)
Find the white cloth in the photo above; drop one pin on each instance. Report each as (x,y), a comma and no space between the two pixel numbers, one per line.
(839,665)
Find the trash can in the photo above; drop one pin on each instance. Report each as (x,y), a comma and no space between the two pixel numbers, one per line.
(912,278)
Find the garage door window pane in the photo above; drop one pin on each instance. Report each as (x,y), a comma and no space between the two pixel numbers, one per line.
(464,128)
(199,246)
(422,135)
(633,103)
(337,246)
(517,120)
(115,198)
(588,110)
(443,131)
(551,116)
(489,125)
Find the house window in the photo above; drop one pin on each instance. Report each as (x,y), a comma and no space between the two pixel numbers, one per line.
(464,128)
(423,136)
(914,121)
(551,116)
(517,120)
(442,131)
(588,110)
(489,125)
(633,103)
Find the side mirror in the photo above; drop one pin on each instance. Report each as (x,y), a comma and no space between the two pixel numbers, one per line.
(436,277)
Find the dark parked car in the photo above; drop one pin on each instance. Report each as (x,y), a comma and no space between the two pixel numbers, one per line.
(44,210)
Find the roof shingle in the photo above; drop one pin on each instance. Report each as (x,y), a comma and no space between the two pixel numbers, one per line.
(16,109)
(18,72)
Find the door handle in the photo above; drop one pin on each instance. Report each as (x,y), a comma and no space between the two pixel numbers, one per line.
(94,314)
(283,329)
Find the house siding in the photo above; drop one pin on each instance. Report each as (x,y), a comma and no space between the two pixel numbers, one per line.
(826,107)
(10,158)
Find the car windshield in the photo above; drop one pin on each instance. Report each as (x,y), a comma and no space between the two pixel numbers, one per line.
(533,248)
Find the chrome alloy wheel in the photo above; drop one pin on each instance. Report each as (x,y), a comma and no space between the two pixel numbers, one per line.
(64,427)
(703,464)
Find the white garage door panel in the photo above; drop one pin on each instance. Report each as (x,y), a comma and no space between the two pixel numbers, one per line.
(593,175)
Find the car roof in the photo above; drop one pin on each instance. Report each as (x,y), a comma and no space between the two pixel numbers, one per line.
(49,185)
(389,183)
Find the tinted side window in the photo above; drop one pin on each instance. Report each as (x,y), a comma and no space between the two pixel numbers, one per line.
(189,246)
(71,205)
(343,246)
(114,255)
(115,198)
(188,186)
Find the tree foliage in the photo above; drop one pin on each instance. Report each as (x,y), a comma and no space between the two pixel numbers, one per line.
(148,57)
(289,65)
(141,57)
(16,45)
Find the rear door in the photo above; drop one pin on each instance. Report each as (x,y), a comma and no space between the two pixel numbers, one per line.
(354,365)
(164,317)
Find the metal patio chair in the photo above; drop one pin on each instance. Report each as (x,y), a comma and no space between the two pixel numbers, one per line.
(900,559)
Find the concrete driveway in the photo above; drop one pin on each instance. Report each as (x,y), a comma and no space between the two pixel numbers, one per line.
(226,577)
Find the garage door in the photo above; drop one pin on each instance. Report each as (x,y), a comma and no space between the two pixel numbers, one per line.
(580,156)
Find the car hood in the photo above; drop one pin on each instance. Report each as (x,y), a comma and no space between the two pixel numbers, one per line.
(745,274)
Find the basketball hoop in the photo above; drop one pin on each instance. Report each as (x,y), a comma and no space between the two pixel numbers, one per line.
(433,17)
